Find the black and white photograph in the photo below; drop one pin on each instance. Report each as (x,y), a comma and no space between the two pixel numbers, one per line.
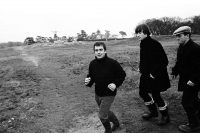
(99,66)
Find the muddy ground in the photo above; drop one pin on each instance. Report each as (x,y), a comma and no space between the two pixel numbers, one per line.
(42,90)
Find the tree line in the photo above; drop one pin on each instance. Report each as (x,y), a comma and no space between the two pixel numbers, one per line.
(83,36)
(167,25)
(161,26)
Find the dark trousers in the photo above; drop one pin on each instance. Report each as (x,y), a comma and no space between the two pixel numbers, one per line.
(191,103)
(146,88)
(104,104)
(155,95)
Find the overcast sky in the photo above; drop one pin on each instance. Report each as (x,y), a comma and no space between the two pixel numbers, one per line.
(23,18)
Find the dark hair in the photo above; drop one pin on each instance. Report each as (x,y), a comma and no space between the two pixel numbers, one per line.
(142,28)
(100,44)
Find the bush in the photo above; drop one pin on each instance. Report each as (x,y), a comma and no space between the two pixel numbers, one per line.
(10,44)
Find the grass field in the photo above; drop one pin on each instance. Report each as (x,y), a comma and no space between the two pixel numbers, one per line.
(42,89)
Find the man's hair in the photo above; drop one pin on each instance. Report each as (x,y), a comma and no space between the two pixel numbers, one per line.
(100,44)
(142,28)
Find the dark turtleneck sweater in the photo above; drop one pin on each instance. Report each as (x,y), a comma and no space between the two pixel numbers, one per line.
(103,72)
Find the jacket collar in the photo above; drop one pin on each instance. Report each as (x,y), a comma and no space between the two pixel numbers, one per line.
(187,44)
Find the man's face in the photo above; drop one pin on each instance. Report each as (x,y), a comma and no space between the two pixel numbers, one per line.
(99,52)
(141,35)
(181,38)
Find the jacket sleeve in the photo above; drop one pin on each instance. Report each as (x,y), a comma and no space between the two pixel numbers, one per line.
(119,74)
(195,64)
(175,71)
(90,75)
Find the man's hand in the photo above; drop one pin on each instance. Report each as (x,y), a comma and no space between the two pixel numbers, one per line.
(137,70)
(190,83)
(112,86)
(151,76)
(87,80)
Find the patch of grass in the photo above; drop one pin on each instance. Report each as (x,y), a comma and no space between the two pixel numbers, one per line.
(8,52)
(19,83)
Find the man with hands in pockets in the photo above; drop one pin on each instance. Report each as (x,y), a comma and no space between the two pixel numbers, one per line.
(108,75)
(187,66)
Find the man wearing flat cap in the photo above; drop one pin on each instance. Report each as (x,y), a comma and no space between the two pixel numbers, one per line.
(187,66)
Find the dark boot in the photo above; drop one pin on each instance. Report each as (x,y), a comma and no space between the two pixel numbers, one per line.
(114,120)
(193,124)
(153,112)
(198,114)
(164,117)
(198,108)
(189,128)
(107,126)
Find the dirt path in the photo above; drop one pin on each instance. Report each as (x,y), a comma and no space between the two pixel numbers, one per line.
(61,97)
(26,57)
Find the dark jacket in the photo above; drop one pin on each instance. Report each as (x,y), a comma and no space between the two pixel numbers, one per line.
(103,72)
(153,60)
(187,64)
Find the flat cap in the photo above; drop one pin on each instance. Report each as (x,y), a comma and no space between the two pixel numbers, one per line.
(182,29)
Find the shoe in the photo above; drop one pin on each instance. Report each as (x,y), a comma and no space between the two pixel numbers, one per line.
(153,112)
(106,124)
(163,121)
(198,114)
(189,128)
(112,117)
(149,115)
(164,118)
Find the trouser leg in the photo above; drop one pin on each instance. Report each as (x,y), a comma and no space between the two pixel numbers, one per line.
(144,89)
(106,124)
(162,107)
(149,102)
(189,101)
(104,104)
(158,99)
(112,117)
(197,106)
